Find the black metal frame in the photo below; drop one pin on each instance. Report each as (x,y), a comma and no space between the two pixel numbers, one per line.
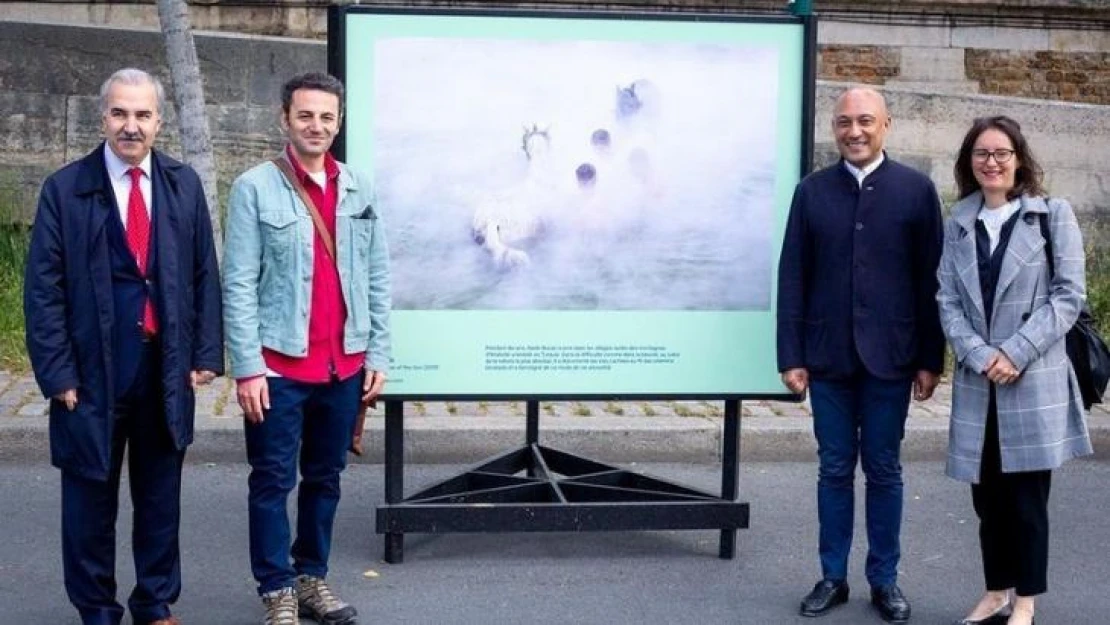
(337,66)
(539,489)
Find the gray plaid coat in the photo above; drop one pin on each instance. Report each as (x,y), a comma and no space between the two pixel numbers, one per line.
(1041,423)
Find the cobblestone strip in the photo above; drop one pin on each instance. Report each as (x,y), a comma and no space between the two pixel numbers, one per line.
(20,397)
(218,400)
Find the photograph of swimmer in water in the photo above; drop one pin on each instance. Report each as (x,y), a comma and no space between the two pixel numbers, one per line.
(565,175)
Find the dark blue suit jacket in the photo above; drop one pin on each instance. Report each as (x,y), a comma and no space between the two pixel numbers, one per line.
(857,275)
(69,308)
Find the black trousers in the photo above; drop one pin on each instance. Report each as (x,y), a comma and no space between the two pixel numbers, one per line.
(1013,519)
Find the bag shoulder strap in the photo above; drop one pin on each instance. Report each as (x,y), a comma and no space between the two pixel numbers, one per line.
(1050,258)
(287,170)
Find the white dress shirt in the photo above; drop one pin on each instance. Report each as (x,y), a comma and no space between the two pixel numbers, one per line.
(121,181)
(860,174)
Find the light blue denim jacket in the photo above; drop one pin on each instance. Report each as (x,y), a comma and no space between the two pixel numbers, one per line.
(267,277)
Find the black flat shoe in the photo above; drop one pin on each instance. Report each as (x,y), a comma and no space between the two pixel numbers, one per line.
(1000,616)
(826,595)
(891,603)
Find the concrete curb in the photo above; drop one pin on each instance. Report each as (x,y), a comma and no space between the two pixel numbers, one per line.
(462,439)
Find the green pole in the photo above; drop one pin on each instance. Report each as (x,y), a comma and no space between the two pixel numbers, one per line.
(801,7)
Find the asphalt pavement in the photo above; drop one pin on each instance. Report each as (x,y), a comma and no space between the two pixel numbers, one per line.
(604,578)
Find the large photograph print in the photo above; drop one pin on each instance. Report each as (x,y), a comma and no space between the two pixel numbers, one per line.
(577,175)
(577,206)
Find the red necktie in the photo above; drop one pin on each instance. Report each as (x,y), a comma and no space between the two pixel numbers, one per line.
(138,239)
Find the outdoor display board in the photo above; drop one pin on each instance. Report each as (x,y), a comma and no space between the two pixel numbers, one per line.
(578,205)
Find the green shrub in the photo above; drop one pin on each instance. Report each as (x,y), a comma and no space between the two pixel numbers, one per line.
(14,240)
(1098,287)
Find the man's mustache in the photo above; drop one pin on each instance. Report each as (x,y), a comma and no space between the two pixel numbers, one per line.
(130,136)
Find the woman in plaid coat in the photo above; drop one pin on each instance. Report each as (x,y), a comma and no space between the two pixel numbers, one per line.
(1017,412)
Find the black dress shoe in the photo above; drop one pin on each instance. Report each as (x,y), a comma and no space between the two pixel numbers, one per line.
(891,603)
(826,595)
(1000,616)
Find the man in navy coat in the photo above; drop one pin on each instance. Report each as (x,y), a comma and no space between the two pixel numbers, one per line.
(858,328)
(122,306)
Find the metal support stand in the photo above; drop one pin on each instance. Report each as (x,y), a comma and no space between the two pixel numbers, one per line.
(539,489)
(532,428)
(394,474)
(730,471)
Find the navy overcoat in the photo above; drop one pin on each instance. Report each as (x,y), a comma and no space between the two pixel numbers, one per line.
(68,304)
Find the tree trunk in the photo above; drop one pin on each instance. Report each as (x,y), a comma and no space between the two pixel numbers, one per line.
(188,97)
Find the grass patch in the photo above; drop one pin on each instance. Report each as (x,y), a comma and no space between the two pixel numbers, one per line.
(14,241)
(712,409)
(614,408)
(221,402)
(1098,287)
(683,410)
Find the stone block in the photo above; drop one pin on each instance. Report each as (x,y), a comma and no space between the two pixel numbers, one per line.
(859,33)
(1066,40)
(932,64)
(258,20)
(32,128)
(999,38)
(269,62)
(866,64)
(20,186)
(1067,91)
(955,87)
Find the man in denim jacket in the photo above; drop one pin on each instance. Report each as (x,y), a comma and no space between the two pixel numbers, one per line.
(308,336)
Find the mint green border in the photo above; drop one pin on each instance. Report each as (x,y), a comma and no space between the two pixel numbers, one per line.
(441,354)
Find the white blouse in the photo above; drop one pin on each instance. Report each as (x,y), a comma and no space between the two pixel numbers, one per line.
(995,218)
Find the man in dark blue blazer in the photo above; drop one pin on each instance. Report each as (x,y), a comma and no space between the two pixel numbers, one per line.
(858,328)
(122,306)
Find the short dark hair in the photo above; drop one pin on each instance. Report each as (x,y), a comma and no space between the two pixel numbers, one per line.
(317,81)
(1027,177)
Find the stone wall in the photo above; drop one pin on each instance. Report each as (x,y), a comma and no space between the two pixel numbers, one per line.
(1025,48)
(1047,74)
(306,18)
(1071,141)
(951,46)
(49,75)
(1044,74)
(48,111)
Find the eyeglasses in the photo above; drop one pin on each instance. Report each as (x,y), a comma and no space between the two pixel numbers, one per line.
(1000,156)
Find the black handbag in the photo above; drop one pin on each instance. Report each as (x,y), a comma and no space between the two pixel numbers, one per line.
(1087,351)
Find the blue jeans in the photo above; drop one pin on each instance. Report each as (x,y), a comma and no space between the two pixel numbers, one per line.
(315,420)
(861,417)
